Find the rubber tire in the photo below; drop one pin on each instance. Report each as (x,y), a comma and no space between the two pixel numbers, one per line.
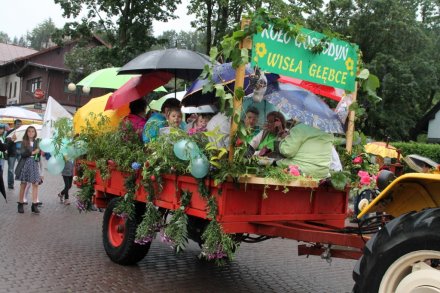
(129,252)
(407,233)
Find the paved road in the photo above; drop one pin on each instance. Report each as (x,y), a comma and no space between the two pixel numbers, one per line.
(61,250)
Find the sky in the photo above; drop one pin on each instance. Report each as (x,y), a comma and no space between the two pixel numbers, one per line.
(20,16)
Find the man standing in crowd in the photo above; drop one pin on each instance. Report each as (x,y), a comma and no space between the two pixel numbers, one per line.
(13,150)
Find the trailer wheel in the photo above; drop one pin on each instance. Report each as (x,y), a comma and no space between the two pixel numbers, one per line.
(402,257)
(118,236)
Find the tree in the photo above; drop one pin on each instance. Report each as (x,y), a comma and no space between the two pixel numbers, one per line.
(4,38)
(401,51)
(40,36)
(185,40)
(126,25)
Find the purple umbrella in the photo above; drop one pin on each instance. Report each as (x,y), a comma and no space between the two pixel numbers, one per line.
(304,106)
(222,74)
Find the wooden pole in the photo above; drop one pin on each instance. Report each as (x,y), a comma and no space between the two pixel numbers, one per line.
(350,127)
(239,82)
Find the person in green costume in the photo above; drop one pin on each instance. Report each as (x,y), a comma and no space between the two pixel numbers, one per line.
(274,129)
(308,148)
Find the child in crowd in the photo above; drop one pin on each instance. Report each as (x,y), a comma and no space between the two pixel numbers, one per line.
(174,120)
(67,174)
(199,124)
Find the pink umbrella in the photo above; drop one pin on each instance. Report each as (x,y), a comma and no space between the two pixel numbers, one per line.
(322,90)
(136,88)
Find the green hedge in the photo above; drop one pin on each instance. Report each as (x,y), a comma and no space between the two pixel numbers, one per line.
(431,151)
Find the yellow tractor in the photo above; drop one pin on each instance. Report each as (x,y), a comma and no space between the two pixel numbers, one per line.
(404,256)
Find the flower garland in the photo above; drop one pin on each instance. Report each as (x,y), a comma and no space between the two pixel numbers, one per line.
(85,195)
(176,232)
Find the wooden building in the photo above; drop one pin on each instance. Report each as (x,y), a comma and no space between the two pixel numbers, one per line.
(43,74)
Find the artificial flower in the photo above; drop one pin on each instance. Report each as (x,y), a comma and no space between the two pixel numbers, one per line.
(358,160)
(294,170)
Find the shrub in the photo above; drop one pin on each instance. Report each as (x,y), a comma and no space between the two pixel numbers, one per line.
(431,151)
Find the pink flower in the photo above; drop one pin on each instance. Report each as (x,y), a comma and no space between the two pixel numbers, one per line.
(358,160)
(192,131)
(363,174)
(294,170)
(366,180)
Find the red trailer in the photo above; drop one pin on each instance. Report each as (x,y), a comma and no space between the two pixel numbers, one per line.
(311,212)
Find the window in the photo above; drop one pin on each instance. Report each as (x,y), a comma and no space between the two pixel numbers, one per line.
(15,89)
(10,90)
(33,84)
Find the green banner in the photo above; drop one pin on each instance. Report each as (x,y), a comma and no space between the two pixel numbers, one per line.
(276,52)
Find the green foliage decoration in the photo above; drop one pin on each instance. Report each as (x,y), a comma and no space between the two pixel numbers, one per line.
(175,231)
(85,194)
(125,208)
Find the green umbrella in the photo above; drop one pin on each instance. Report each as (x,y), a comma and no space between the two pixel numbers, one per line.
(106,78)
(109,78)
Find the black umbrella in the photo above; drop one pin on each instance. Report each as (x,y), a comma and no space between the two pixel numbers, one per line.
(184,64)
(2,188)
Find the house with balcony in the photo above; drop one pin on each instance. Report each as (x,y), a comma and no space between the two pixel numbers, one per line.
(28,72)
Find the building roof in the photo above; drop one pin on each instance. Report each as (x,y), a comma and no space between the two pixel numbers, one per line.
(11,52)
(39,65)
(41,52)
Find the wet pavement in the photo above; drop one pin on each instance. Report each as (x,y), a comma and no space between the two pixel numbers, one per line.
(61,250)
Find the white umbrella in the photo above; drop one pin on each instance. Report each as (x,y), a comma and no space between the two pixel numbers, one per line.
(19,132)
(199,109)
(19,113)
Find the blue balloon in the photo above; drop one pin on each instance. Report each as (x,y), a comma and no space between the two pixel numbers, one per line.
(71,153)
(55,165)
(81,147)
(192,150)
(65,142)
(179,149)
(186,150)
(46,145)
(199,166)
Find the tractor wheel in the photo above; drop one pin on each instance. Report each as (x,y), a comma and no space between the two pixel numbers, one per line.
(118,236)
(402,257)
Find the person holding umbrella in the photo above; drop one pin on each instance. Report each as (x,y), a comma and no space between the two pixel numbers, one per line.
(13,153)
(2,151)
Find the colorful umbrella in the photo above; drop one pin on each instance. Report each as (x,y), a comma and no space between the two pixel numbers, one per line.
(304,106)
(381,148)
(222,74)
(136,88)
(106,78)
(19,132)
(182,63)
(97,106)
(319,89)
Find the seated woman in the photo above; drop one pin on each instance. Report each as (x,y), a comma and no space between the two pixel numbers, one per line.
(309,148)
(136,117)
(274,130)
